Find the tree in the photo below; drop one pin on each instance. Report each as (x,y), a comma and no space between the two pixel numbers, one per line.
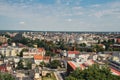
(83,44)
(0,43)
(54,64)
(29,64)
(94,72)
(42,63)
(6,76)
(98,48)
(70,78)
(49,53)
(21,53)
(20,64)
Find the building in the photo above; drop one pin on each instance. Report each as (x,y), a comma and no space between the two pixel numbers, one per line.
(10,51)
(34,51)
(71,54)
(115,47)
(39,58)
(72,65)
(118,40)
(3,39)
(114,63)
(3,68)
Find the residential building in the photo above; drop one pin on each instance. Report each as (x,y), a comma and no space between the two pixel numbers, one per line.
(10,51)
(114,63)
(3,39)
(71,54)
(39,58)
(34,51)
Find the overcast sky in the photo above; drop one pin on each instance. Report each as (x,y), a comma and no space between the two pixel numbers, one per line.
(60,15)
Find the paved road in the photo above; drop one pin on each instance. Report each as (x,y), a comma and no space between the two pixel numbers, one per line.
(58,75)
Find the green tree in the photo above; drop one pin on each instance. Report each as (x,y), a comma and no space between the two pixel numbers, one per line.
(42,64)
(50,53)
(21,53)
(6,76)
(94,72)
(83,44)
(0,43)
(29,64)
(70,78)
(20,64)
(98,48)
(54,63)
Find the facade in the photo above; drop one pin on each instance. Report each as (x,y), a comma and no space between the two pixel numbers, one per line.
(72,65)
(3,68)
(10,51)
(71,54)
(3,39)
(118,40)
(114,63)
(34,51)
(39,58)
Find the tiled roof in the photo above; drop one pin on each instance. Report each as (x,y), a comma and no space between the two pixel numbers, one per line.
(3,68)
(74,66)
(89,62)
(114,71)
(82,66)
(38,57)
(41,49)
(73,52)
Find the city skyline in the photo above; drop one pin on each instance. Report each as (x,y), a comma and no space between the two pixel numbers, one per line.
(60,15)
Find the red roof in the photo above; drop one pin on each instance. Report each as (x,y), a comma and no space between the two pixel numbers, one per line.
(3,68)
(38,57)
(73,52)
(41,49)
(72,65)
(114,71)
(89,62)
(118,40)
(81,66)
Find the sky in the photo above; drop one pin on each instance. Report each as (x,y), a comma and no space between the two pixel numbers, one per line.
(60,15)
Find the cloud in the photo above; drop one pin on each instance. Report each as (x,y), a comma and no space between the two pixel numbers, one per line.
(96,5)
(77,7)
(41,16)
(21,22)
(109,9)
(69,20)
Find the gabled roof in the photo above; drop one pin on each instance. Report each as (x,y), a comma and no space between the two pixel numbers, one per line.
(74,66)
(3,68)
(73,52)
(89,62)
(41,49)
(114,71)
(38,57)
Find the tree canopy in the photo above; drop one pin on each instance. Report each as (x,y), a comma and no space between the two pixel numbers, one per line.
(94,72)
(54,63)
(6,76)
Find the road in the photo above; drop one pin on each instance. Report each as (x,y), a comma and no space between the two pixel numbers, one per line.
(58,75)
